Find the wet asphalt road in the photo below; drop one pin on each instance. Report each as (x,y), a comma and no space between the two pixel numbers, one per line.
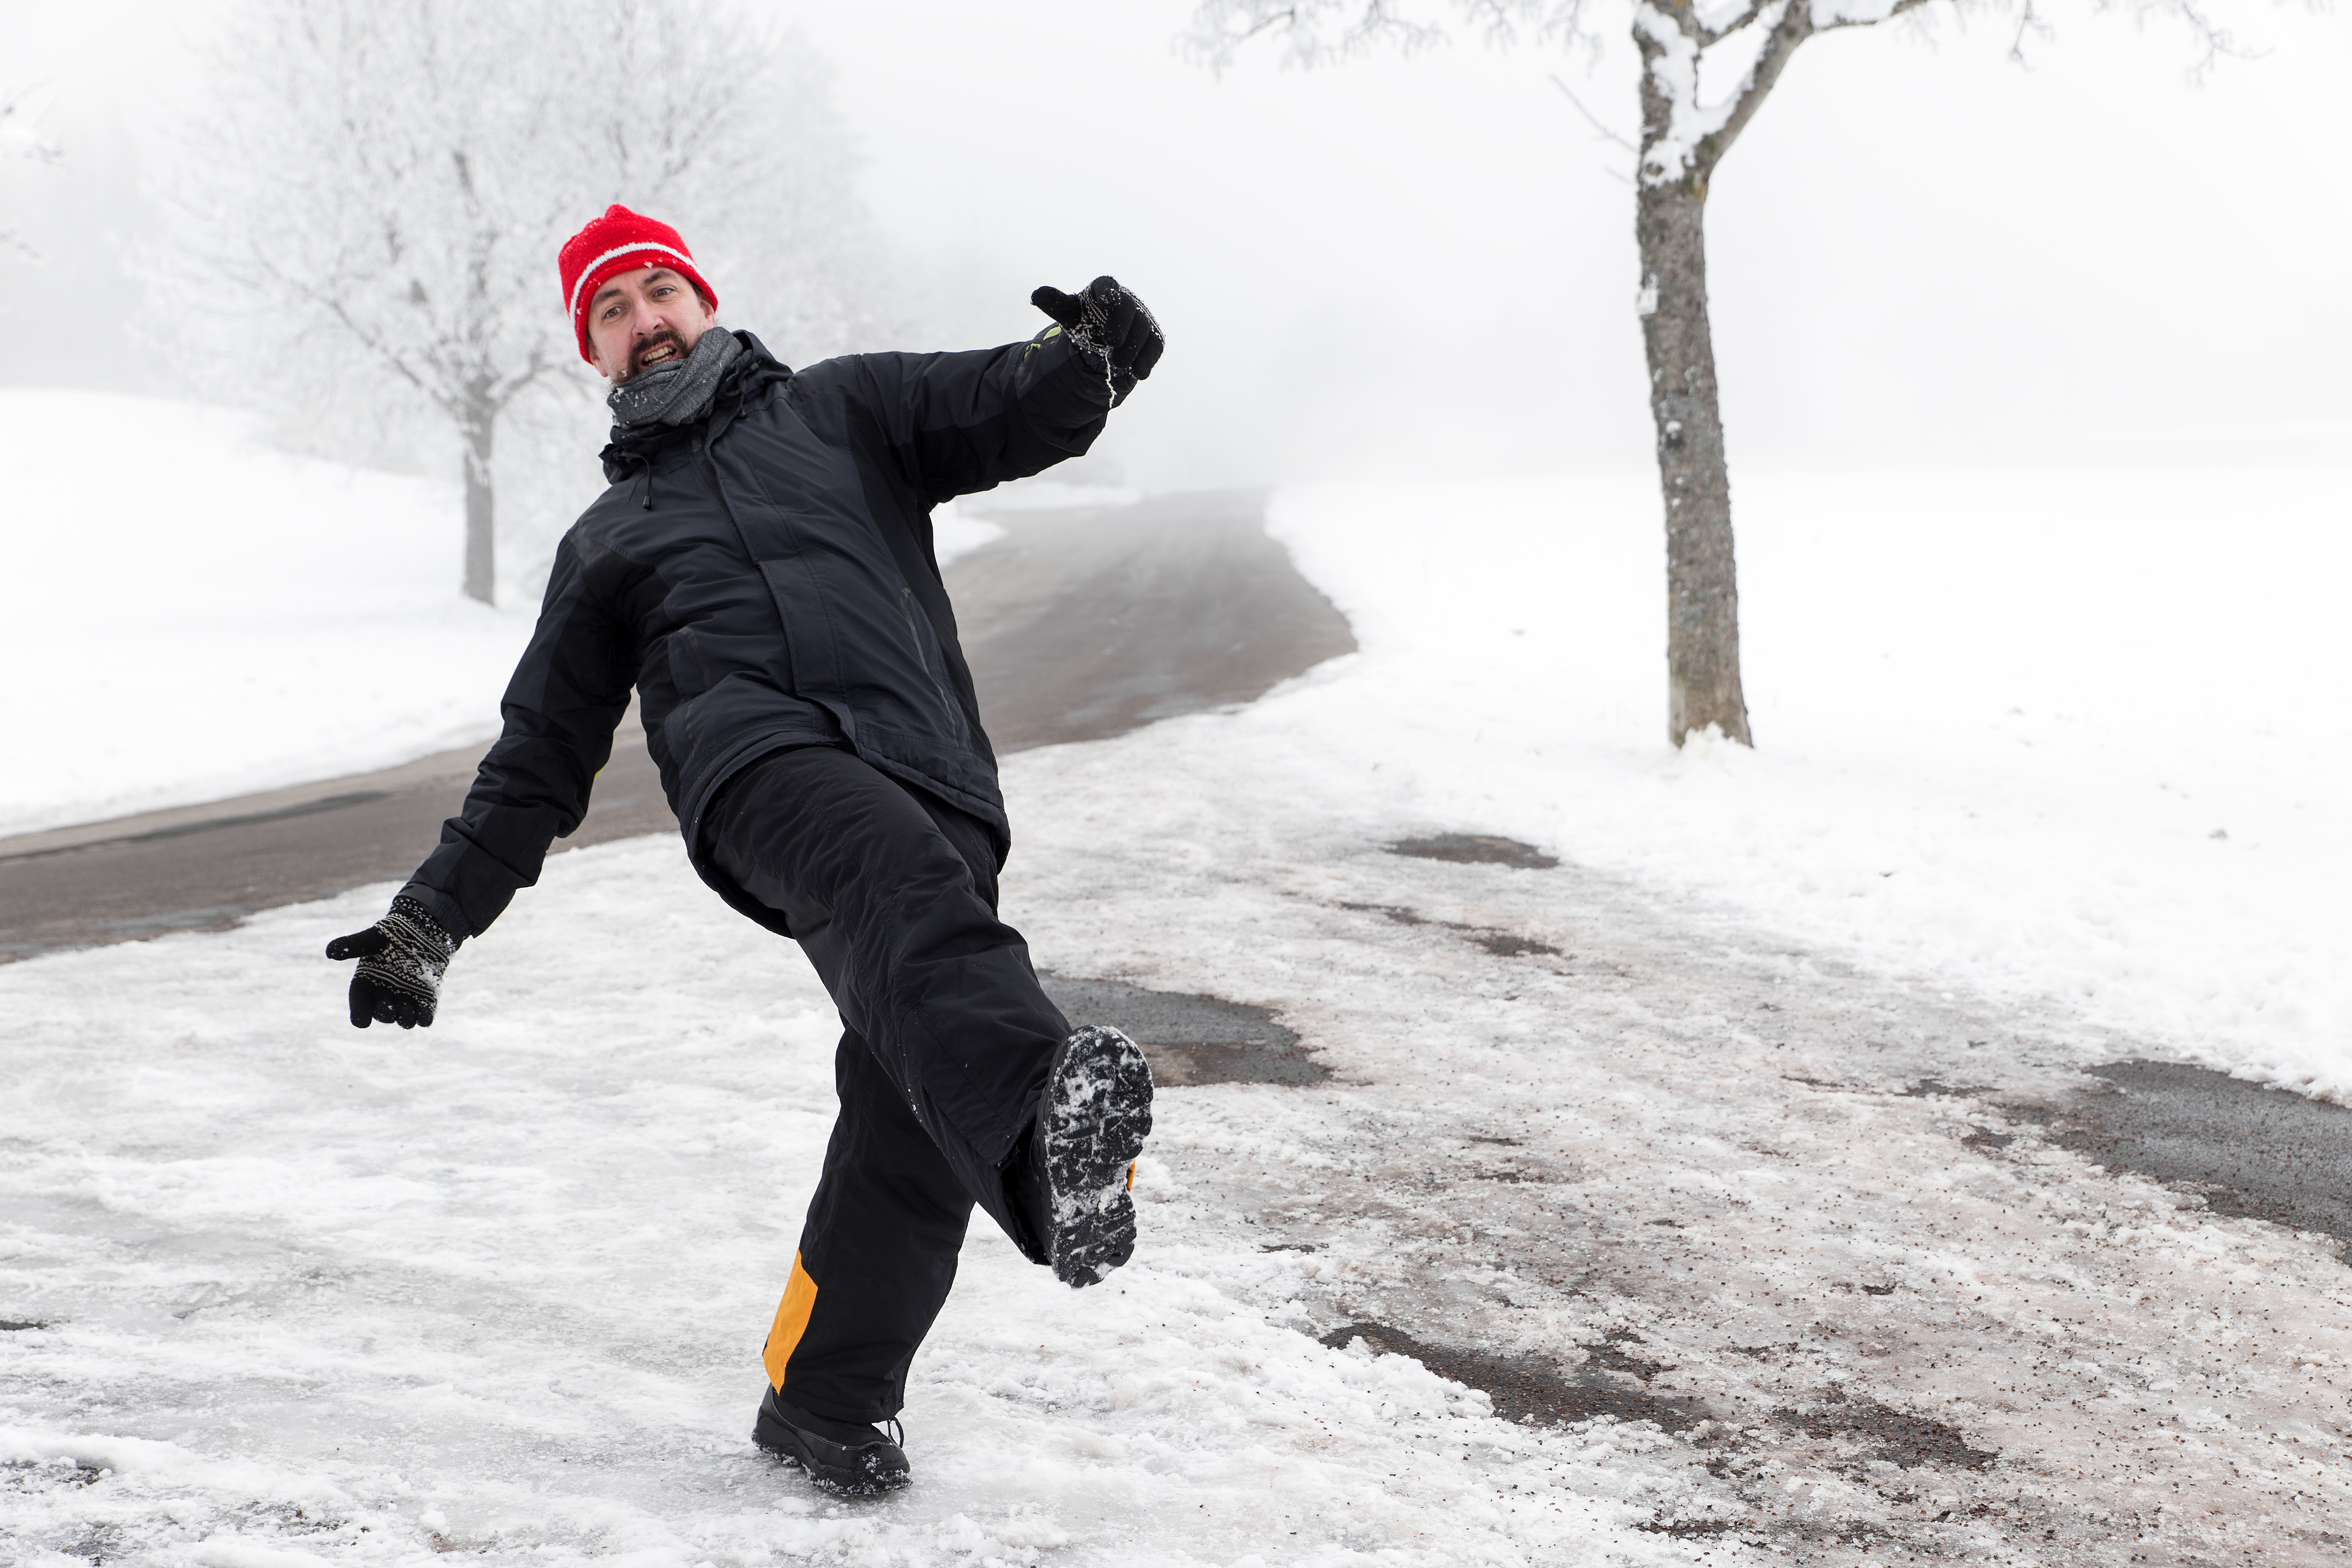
(2263,1154)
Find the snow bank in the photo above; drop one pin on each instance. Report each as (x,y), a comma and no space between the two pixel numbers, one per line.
(2058,736)
(192,614)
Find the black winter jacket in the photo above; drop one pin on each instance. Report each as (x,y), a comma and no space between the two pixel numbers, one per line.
(764,577)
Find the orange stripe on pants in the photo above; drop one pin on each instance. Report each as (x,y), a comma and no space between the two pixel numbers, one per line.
(791,1322)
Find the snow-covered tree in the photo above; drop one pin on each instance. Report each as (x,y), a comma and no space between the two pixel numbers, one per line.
(22,138)
(370,207)
(1706,66)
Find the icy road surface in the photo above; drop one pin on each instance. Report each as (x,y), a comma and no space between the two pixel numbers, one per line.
(313,1295)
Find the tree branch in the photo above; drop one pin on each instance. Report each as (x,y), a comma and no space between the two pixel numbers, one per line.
(1220,28)
(330,300)
(504,392)
(27,134)
(1795,26)
(1593,119)
(2029,20)
(2215,39)
(1685,16)
(1900,7)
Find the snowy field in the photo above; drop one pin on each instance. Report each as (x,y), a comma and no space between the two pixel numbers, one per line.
(209,616)
(1706,1115)
(194,615)
(2057,737)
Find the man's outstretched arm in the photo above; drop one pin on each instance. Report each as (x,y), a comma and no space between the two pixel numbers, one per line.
(965,422)
(569,691)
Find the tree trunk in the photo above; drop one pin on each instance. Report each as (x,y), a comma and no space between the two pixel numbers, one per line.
(479,429)
(1702,585)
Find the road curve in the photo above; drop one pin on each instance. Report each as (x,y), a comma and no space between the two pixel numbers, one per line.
(1078,625)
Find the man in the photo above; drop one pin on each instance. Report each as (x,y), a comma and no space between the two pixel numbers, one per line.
(762,571)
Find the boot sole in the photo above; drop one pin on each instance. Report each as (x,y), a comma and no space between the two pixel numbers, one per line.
(1098,1113)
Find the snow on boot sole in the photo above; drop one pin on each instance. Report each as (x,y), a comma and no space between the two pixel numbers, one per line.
(1097,1114)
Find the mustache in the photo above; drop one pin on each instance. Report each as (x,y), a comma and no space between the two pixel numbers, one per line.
(667,335)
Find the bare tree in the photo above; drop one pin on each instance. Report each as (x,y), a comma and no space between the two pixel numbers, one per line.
(378,191)
(1749,44)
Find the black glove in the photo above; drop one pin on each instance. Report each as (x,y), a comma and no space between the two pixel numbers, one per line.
(1105,319)
(402,958)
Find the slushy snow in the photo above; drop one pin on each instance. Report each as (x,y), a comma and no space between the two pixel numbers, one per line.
(348,1297)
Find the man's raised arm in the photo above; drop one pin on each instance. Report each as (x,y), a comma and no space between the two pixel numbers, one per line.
(964,422)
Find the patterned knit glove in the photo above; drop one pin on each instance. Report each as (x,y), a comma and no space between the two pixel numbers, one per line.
(402,958)
(1108,321)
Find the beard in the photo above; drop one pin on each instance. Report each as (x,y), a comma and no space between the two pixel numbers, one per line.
(637,366)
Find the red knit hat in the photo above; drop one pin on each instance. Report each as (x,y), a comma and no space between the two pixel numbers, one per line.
(621,241)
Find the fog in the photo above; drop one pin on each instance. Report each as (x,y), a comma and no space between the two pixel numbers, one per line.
(1920,254)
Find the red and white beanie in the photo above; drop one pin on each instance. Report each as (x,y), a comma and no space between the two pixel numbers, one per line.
(621,241)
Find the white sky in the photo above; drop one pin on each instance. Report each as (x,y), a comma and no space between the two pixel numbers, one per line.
(1920,253)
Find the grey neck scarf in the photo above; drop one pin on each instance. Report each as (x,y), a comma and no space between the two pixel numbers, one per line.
(679,392)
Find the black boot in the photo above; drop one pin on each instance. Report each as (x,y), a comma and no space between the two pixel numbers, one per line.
(1071,1178)
(840,1456)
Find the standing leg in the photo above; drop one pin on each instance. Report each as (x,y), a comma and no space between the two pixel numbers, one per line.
(877,1256)
(944,1074)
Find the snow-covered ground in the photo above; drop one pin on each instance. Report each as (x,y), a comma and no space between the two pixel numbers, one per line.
(193,615)
(2064,735)
(311,1295)
(504,1283)
(1673,1108)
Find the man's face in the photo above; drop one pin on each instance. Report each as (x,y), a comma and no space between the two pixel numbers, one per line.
(642,319)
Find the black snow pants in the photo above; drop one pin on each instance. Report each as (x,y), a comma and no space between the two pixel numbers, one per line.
(948,1036)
